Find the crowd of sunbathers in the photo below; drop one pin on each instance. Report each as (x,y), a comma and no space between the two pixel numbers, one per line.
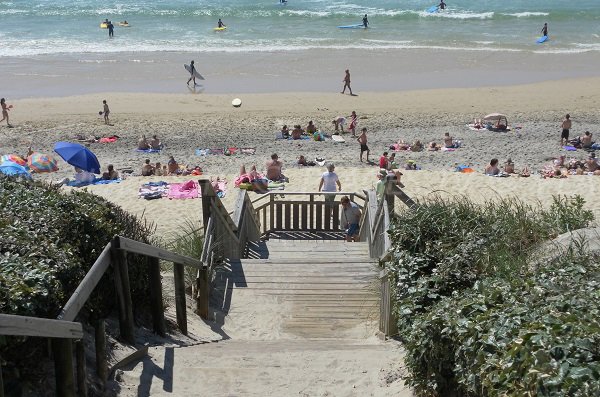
(310,132)
(417,146)
(171,168)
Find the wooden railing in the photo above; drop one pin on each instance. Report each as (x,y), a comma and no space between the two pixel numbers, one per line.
(374,229)
(64,330)
(289,211)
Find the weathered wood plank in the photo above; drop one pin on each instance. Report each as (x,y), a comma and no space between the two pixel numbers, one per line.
(62,351)
(41,327)
(82,390)
(318,215)
(156,296)
(86,287)
(279,215)
(180,304)
(272,212)
(137,247)
(137,355)
(203,294)
(288,215)
(100,345)
(121,276)
(336,217)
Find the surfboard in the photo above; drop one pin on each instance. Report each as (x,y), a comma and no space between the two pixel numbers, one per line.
(338,139)
(196,74)
(357,26)
(220,29)
(542,39)
(432,9)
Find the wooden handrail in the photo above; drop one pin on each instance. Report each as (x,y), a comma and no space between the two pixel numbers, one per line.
(137,247)
(87,285)
(41,327)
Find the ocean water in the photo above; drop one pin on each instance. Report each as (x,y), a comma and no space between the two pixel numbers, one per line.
(35,27)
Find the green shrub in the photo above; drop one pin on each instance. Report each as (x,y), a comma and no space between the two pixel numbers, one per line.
(50,239)
(463,290)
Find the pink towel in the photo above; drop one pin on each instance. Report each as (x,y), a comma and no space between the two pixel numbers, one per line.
(183,190)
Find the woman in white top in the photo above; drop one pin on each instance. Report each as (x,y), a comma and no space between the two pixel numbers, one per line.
(329,180)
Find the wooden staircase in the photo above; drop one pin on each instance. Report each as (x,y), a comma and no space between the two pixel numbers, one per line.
(301,317)
(328,288)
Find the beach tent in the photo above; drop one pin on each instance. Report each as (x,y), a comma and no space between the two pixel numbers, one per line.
(496,119)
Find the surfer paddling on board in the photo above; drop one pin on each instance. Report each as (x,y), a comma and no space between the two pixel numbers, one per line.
(365,21)
(192,73)
(545,30)
(220,24)
(442,5)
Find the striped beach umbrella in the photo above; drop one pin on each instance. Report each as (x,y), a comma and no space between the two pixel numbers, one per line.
(10,168)
(14,158)
(39,162)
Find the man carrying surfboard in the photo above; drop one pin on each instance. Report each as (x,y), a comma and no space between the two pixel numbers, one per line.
(193,72)
(365,21)
(545,30)
(442,5)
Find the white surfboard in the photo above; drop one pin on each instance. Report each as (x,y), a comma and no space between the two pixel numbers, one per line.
(196,74)
(338,139)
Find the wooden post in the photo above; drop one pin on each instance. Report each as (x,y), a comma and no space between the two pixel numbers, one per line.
(100,343)
(156,297)
(121,274)
(1,381)
(203,293)
(208,195)
(389,194)
(180,304)
(62,350)
(81,369)
(272,212)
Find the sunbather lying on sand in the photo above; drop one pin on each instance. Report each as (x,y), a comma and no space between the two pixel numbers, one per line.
(432,147)
(417,146)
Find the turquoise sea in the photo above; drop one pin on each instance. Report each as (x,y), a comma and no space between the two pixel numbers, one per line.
(35,27)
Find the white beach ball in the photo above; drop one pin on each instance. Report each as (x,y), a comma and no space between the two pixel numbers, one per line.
(237,102)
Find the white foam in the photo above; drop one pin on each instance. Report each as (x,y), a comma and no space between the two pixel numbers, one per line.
(457,15)
(528,14)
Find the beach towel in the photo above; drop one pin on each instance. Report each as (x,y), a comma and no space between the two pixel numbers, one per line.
(302,138)
(215,150)
(148,150)
(153,190)
(109,139)
(570,148)
(187,190)
(448,149)
(248,150)
(97,181)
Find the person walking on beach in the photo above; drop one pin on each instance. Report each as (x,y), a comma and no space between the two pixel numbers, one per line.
(545,30)
(346,82)
(111,28)
(566,126)
(362,139)
(106,112)
(5,109)
(329,180)
(192,74)
(353,123)
(365,21)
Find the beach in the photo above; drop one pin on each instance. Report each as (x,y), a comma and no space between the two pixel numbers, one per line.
(415,75)
(185,123)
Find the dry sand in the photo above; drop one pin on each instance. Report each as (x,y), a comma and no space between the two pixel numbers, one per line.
(187,122)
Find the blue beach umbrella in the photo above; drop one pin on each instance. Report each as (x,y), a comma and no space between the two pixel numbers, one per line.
(78,156)
(10,168)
